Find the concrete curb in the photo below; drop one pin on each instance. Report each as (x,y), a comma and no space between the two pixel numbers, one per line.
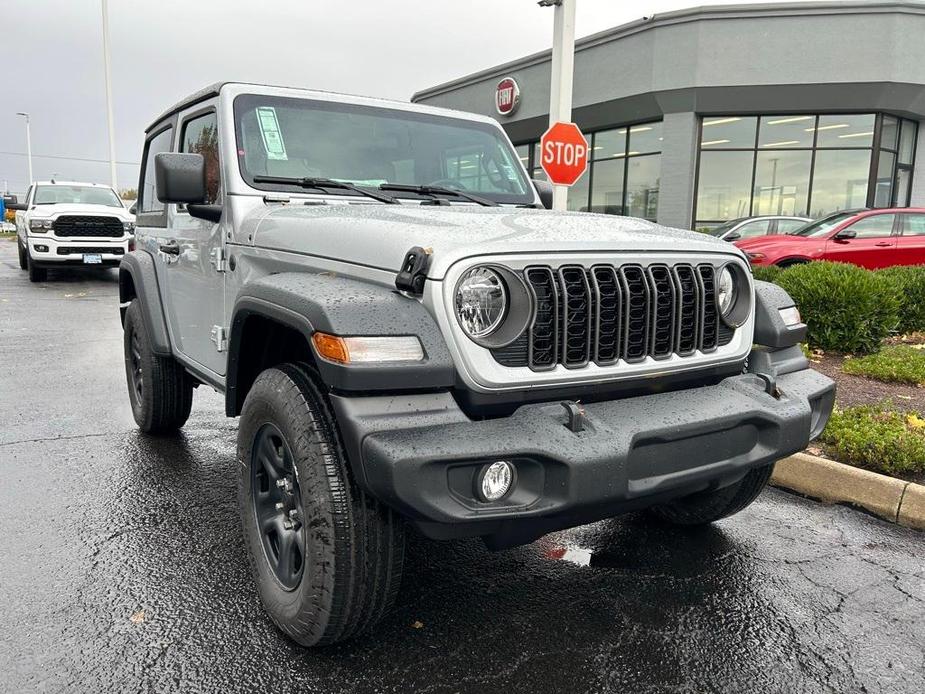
(894,500)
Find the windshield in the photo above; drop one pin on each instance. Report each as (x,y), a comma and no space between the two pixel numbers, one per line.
(724,227)
(83,195)
(370,146)
(820,227)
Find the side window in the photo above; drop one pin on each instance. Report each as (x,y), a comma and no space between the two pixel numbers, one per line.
(200,136)
(913,224)
(785,226)
(874,226)
(757,228)
(147,194)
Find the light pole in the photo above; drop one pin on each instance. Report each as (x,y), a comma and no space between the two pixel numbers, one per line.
(108,75)
(28,145)
(563,68)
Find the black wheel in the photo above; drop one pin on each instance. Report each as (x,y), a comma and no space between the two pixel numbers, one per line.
(159,389)
(326,557)
(784,264)
(36,274)
(706,507)
(23,256)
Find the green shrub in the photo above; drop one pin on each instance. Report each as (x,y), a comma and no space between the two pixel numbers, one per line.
(766,273)
(877,438)
(846,308)
(908,284)
(894,364)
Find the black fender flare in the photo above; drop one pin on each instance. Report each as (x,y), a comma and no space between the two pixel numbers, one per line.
(136,269)
(310,302)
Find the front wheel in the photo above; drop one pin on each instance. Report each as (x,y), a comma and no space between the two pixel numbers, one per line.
(326,557)
(36,274)
(23,257)
(706,507)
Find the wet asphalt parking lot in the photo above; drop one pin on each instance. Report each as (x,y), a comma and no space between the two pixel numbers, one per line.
(122,567)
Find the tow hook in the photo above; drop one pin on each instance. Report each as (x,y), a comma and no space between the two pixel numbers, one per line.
(576,416)
(770,385)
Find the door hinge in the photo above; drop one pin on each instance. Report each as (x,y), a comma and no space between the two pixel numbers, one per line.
(219,338)
(219,259)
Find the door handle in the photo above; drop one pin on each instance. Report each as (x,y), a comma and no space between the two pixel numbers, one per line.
(170,247)
(883,244)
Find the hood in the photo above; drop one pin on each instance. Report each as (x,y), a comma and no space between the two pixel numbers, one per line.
(758,243)
(380,235)
(44,211)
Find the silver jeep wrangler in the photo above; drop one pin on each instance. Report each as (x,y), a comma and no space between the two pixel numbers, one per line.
(412,341)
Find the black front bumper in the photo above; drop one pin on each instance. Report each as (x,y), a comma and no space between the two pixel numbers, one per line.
(421,455)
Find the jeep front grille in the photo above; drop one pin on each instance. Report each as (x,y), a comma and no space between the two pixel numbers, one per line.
(88,226)
(608,313)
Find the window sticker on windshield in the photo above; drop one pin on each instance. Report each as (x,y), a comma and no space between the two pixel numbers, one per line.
(269,130)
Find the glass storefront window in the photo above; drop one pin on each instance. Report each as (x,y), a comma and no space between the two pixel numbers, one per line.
(645,138)
(609,143)
(786,131)
(724,185)
(728,132)
(907,142)
(642,176)
(883,191)
(781,183)
(523,153)
(845,131)
(839,180)
(607,191)
(577,200)
(889,133)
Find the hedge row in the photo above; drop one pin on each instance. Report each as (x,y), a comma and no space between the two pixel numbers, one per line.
(850,309)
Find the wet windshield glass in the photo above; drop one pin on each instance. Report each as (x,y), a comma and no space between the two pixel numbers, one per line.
(371,146)
(820,227)
(83,195)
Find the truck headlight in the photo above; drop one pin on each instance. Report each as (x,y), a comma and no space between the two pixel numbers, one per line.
(481,301)
(40,225)
(732,300)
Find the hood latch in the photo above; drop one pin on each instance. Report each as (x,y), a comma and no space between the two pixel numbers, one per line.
(413,271)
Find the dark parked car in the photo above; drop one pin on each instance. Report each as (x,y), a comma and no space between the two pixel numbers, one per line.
(749,227)
(869,238)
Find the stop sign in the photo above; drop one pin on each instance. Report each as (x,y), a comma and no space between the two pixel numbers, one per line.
(564,153)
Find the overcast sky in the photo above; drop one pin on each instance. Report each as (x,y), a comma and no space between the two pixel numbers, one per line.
(164,49)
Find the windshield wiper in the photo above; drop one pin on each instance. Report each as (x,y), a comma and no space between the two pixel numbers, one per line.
(322,183)
(437,190)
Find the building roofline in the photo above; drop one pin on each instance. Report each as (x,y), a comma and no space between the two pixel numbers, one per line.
(684,16)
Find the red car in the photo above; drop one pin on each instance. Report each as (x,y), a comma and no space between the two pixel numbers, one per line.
(869,238)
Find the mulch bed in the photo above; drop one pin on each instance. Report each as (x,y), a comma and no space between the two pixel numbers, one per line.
(859,390)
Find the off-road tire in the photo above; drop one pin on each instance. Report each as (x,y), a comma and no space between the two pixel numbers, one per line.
(36,274)
(166,395)
(353,546)
(706,507)
(23,256)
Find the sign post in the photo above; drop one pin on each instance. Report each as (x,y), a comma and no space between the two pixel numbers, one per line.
(563,64)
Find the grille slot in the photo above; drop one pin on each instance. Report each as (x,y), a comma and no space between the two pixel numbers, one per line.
(80,250)
(88,226)
(605,314)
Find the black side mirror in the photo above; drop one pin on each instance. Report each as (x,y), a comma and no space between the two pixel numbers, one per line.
(544,190)
(12,203)
(733,236)
(846,234)
(181,179)
(134,208)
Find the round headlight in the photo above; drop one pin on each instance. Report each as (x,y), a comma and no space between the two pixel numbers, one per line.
(726,292)
(481,301)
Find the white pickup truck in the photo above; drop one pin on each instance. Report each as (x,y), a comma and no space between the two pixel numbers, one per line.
(63,223)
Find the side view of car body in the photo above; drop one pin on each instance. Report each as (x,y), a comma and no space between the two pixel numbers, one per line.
(869,238)
(750,227)
(64,223)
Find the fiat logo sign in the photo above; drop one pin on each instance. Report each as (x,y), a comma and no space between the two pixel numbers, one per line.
(507,96)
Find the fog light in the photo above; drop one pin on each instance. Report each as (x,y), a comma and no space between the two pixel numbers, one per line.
(40,248)
(495,480)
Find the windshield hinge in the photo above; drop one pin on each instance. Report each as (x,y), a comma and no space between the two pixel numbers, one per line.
(270,199)
(219,259)
(413,271)
(219,338)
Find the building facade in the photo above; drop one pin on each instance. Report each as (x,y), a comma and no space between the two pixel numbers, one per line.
(708,114)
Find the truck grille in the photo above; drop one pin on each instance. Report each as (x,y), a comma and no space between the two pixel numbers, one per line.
(80,250)
(88,226)
(606,313)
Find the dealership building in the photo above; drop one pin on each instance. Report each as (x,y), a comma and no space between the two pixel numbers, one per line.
(708,114)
